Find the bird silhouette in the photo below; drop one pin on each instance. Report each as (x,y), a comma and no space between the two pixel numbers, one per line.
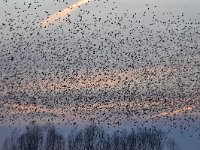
(99,64)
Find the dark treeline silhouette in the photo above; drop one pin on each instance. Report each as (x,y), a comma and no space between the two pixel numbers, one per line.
(36,138)
(89,138)
(96,138)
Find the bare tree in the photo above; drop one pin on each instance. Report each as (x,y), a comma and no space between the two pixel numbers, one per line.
(11,143)
(32,139)
(172,145)
(90,138)
(131,140)
(35,138)
(150,139)
(75,140)
(54,140)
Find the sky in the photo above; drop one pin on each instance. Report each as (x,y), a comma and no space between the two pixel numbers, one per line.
(110,62)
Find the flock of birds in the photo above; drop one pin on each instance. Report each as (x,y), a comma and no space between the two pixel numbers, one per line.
(99,65)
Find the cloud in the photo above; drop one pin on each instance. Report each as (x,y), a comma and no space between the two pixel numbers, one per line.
(107,112)
(95,80)
(60,15)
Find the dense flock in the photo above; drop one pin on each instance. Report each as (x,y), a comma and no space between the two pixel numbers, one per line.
(99,64)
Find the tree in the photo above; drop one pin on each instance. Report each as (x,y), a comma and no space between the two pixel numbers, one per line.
(150,139)
(171,145)
(35,138)
(11,143)
(32,139)
(54,140)
(131,140)
(89,138)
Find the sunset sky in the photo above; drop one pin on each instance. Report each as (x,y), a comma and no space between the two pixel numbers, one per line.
(110,62)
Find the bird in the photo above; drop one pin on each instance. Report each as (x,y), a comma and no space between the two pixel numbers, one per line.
(99,64)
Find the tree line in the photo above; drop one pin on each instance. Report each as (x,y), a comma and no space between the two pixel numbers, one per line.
(90,138)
